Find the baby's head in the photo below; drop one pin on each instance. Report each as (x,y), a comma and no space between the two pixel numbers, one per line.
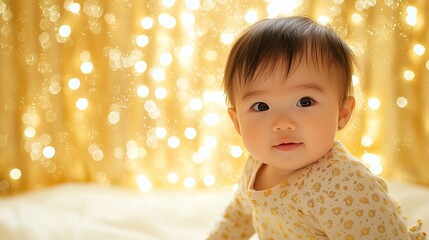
(288,83)
(287,41)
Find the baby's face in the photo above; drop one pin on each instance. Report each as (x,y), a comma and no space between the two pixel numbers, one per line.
(289,123)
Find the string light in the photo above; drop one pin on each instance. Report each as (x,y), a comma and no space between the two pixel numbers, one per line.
(419,49)
(366,141)
(82,103)
(86,67)
(374,162)
(356,18)
(146,23)
(401,102)
(74,8)
(411,18)
(374,103)
(409,75)
(15,174)
(143,182)
(324,20)
(172,177)
(251,16)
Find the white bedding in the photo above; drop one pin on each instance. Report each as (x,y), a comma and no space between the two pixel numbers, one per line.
(89,211)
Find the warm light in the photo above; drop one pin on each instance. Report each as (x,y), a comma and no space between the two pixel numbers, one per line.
(188,19)
(211,141)
(131,144)
(197,158)
(167,20)
(419,49)
(185,54)
(142,91)
(211,119)
(196,104)
(192,4)
(55,88)
(64,31)
(15,174)
(82,103)
(210,55)
(85,56)
(74,8)
(160,132)
(142,40)
(235,187)
(144,184)
(214,97)
(356,18)
(401,102)
(118,152)
(189,182)
(411,10)
(226,38)
(86,67)
(324,20)
(132,152)
(209,180)
(29,132)
(355,80)
(114,117)
(160,93)
(146,23)
(411,20)
(374,162)
(168,3)
(49,151)
(172,177)
(204,152)
(409,75)
(158,74)
(251,16)
(166,58)
(97,154)
(366,141)
(190,133)
(31,118)
(140,66)
(173,142)
(281,7)
(427,65)
(236,151)
(374,103)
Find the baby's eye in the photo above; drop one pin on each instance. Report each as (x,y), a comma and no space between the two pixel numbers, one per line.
(305,102)
(260,106)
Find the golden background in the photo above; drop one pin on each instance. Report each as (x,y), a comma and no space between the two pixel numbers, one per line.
(129,93)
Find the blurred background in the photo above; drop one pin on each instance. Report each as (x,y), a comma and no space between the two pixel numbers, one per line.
(128,93)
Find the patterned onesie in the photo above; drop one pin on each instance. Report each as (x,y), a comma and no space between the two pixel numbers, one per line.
(336,197)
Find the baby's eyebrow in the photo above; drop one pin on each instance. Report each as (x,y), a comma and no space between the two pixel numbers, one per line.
(252,93)
(313,86)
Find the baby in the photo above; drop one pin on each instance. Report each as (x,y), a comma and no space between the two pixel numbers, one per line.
(288,84)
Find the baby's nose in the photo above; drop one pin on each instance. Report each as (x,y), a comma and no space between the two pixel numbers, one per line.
(284,122)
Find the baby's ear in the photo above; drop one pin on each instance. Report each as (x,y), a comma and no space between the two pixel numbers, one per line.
(346,110)
(233,115)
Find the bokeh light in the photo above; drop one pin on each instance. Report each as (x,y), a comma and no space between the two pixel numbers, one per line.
(131,94)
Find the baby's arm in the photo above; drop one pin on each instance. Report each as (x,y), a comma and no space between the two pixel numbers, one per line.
(357,206)
(236,222)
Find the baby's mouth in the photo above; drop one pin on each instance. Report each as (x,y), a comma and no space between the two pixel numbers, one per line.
(287,146)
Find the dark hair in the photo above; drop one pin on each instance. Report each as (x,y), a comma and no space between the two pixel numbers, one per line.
(286,40)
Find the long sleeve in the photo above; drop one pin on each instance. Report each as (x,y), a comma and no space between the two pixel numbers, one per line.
(358,206)
(236,222)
